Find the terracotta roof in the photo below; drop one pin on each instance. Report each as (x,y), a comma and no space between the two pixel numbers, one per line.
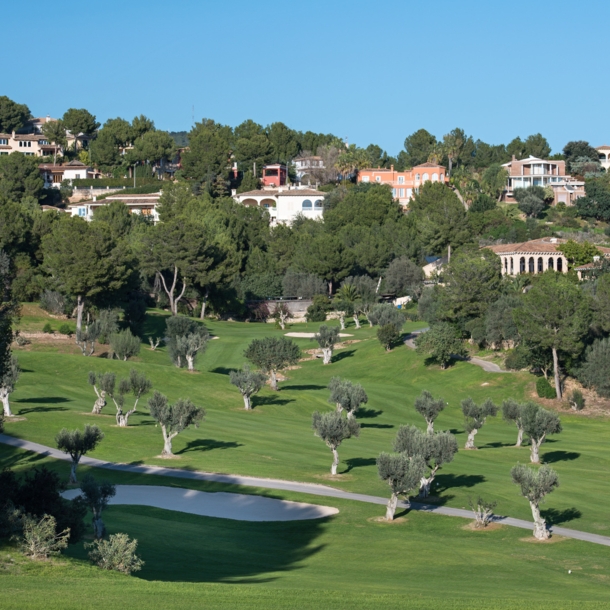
(430,165)
(301,193)
(537,246)
(4,146)
(131,197)
(258,193)
(604,147)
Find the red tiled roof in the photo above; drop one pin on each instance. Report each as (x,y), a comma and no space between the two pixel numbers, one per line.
(537,246)
(301,193)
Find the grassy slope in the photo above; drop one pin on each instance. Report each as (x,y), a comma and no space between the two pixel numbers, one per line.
(275,440)
(349,560)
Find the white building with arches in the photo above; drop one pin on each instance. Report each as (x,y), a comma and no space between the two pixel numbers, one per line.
(285,204)
(535,256)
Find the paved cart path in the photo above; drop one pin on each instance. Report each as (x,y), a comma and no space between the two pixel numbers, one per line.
(308,488)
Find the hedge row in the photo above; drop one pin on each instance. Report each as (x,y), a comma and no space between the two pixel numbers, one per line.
(102,183)
(140,190)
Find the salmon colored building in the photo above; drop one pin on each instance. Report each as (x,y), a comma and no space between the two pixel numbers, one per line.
(405,184)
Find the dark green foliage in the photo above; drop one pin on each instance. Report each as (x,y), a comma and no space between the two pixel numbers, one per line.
(441,343)
(418,147)
(575,149)
(96,495)
(317,311)
(47,328)
(303,285)
(595,372)
(118,553)
(475,417)
(403,277)
(429,408)
(483,203)
(108,322)
(80,121)
(596,203)
(53,302)
(577,400)
(333,429)
(401,473)
(13,116)
(272,354)
(387,336)
(19,178)
(124,345)
(499,322)
(534,484)
(544,388)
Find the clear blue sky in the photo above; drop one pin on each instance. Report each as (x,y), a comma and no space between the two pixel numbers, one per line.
(369,71)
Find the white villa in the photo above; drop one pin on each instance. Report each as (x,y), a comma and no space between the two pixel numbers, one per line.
(137,204)
(54,175)
(285,204)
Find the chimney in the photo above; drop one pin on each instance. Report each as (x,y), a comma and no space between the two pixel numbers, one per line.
(514,158)
(233,192)
(391,167)
(596,259)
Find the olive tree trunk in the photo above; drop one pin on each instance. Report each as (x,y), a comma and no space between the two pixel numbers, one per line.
(167,442)
(426,483)
(540,530)
(356,321)
(535,449)
(519,437)
(470,440)
(247,402)
(430,429)
(99,529)
(327,355)
(80,308)
(342,321)
(273,380)
(333,468)
(122,419)
(5,402)
(73,471)
(190,362)
(556,372)
(391,507)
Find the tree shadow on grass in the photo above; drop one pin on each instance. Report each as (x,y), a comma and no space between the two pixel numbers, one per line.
(343,354)
(41,410)
(560,456)
(363,413)
(177,547)
(47,399)
(451,481)
(455,431)
(358,463)
(304,387)
(208,444)
(557,517)
(381,426)
(496,445)
(259,401)
(222,370)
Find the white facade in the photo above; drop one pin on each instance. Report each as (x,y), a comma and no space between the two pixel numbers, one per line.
(54,175)
(284,205)
(145,205)
(604,156)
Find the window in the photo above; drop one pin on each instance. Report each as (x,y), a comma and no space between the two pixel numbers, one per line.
(417,177)
(82,211)
(402,193)
(409,193)
(377,178)
(3,142)
(306,205)
(530,264)
(366,178)
(401,179)
(3,152)
(442,177)
(57,178)
(426,177)
(551,264)
(43,142)
(394,193)
(318,204)
(540,267)
(434,177)
(560,264)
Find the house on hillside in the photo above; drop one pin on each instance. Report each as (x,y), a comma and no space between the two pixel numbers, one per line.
(404,184)
(146,205)
(285,204)
(604,156)
(535,256)
(274,175)
(305,165)
(54,175)
(523,173)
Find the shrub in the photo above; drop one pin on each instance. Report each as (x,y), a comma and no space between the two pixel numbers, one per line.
(47,328)
(40,538)
(21,341)
(108,321)
(316,312)
(53,302)
(387,336)
(595,372)
(577,400)
(544,388)
(385,313)
(118,553)
(517,359)
(65,329)
(124,344)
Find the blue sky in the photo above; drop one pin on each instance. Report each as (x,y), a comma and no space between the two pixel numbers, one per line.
(373,72)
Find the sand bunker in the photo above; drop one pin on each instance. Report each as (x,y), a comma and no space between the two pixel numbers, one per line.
(311,335)
(240,507)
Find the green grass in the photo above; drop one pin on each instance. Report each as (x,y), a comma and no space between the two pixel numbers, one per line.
(345,561)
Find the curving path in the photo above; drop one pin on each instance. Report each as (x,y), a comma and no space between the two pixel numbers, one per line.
(240,507)
(487,366)
(308,488)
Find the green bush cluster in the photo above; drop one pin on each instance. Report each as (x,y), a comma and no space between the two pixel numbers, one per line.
(544,388)
(65,329)
(317,311)
(47,328)
(102,183)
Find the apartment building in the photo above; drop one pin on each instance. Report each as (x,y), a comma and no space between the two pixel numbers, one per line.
(405,184)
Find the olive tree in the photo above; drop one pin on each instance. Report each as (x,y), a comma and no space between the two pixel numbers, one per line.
(333,429)
(76,444)
(103,384)
(96,495)
(402,474)
(429,408)
(188,347)
(173,419)
(185,339)
(248,383)
(124,344)
(85,339)
(483,511)
(7,383)
(475,417)
(535,485)
(281,314)
(441,343)
(273,354)
(538,423)
(346,395)
(385,313)
(327,337)
(512,414)
(435,450)
(137,385)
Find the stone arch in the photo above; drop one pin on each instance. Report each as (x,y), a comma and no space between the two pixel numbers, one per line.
(522,264)
(250,202)
(425,176)
(540,265)
(512,265)
(307,205)
(551,263)
(318,204)
(268,203)
(530,265)
(560,264)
